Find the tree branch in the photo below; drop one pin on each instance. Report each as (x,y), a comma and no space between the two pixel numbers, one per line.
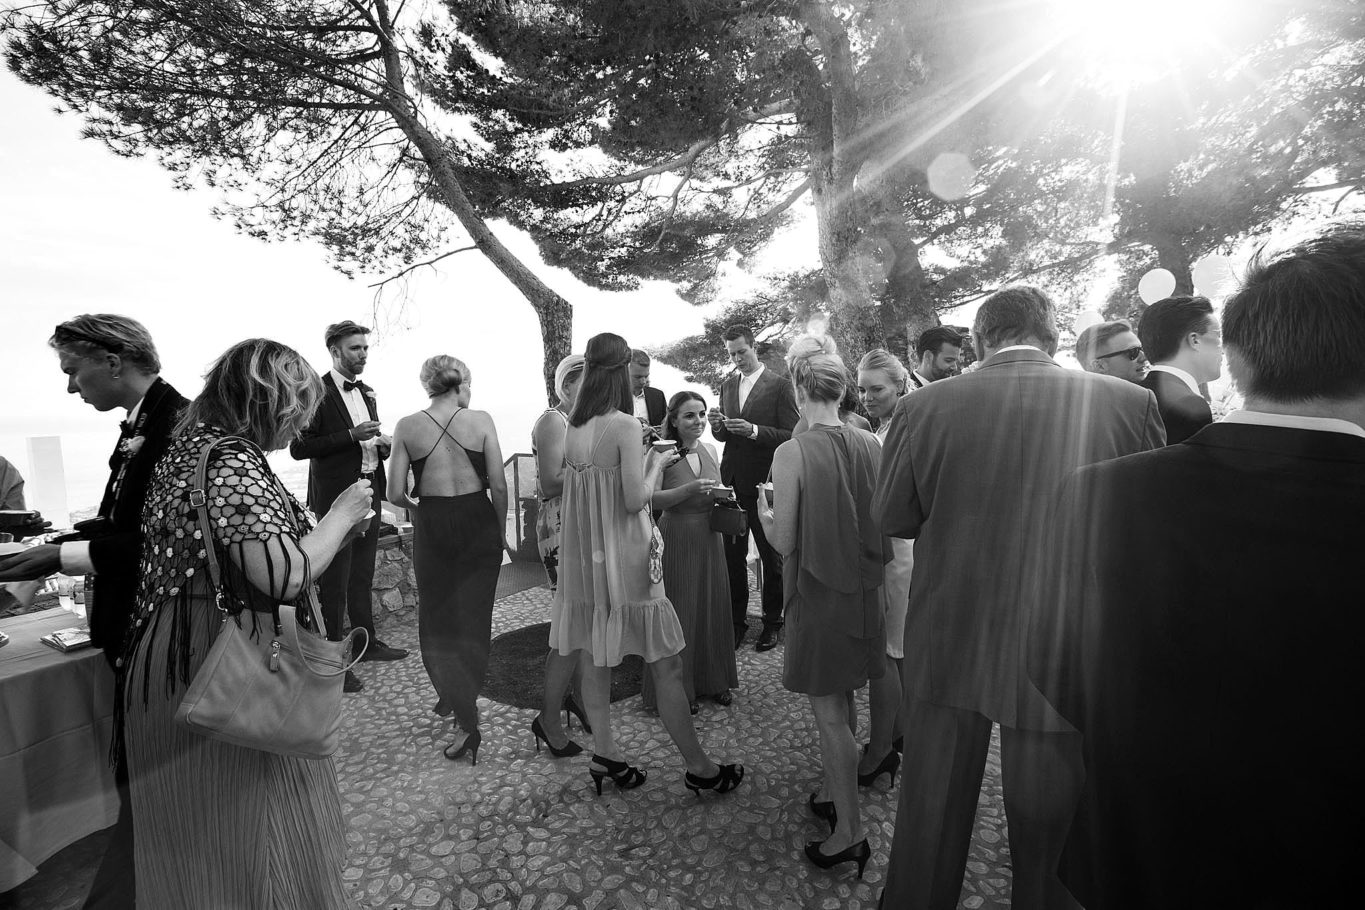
(417,265)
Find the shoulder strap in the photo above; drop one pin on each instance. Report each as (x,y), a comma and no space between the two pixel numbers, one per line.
(445,431)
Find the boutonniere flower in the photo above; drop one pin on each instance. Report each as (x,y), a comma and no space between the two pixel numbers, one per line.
(369,393)
(130,447)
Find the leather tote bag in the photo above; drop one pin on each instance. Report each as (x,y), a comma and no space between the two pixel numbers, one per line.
(729,517)
(277,689)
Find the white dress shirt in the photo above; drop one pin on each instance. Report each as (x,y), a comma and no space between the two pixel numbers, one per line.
(746,385)
(641,407)
(355,406)
(1178,374)
(1295,422)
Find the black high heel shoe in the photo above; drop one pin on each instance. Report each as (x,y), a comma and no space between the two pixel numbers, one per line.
(858,853)
(824,811)
(470,746)
(571,706)
(725,780)
(888,766)
(571,748)
(622,774)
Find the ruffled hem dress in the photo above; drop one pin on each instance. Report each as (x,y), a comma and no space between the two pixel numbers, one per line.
(606,603)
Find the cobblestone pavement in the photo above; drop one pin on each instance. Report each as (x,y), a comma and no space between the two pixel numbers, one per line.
(521,830)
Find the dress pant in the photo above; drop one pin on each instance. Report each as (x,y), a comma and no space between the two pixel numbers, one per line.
(736,560)
(345,587)
(114,887)
(945,757)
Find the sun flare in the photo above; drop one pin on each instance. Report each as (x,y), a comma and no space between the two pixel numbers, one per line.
(1127,41)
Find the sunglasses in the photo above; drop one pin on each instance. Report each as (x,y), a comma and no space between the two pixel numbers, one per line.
(1130,353)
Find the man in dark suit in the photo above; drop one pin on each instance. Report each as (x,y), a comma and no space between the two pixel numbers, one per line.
(1181,336)
(756,414)
(937,354)
(970,469)
(1205,633)
(650,404)
(111,362)
(344,444)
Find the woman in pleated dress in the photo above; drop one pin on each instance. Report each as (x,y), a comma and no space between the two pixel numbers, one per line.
(218,825)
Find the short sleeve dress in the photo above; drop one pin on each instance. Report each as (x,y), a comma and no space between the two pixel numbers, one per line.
(216,825)
(606,603)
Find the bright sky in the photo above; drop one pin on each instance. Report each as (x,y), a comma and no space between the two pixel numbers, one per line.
(82,230)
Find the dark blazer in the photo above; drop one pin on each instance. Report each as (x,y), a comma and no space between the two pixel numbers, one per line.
(656,405)
(1205,638)
(771,406)
(116,556)
(1183,412)
(970,469)
(334,457)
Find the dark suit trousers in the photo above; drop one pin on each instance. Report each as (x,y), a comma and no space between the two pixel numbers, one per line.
(344,588)
(114,887)
(945,757)
(736,556)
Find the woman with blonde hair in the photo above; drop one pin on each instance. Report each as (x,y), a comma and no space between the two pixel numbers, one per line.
(882,380)
(458,502)
(821,522)
(218,825)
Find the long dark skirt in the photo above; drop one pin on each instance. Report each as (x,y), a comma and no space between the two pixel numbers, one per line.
(457,552)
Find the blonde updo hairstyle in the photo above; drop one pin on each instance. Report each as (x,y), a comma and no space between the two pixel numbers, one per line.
(443,373)
(816,368)
(888,363)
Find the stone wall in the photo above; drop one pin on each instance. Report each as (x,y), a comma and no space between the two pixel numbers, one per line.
(395,584)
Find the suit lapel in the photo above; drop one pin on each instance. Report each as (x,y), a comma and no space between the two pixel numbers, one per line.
(334,395)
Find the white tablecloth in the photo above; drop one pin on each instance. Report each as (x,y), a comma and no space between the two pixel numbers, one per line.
(56,718)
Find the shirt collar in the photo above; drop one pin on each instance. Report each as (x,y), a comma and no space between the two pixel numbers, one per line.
(1179,374)
(339,379)
(1295,422)
(923,380)
(1020,347)
(752,377)
(136,410)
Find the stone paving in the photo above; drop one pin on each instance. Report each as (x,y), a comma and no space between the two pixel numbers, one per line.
(523,831)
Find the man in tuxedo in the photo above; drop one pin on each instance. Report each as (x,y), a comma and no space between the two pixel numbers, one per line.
(1112,349)
(111,362)
(1181,336)
(344,444)
(756,415)
(1205,632)
(650,403)
(937,354)
(970,469)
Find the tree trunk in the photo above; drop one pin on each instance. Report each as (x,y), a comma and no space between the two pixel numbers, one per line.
(553,311)
(1173,255)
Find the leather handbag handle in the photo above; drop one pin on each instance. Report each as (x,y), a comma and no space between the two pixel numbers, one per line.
(199,500)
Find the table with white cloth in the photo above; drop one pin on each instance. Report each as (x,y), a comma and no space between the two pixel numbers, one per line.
(56,720)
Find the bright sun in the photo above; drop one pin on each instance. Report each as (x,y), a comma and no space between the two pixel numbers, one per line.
(1133,40)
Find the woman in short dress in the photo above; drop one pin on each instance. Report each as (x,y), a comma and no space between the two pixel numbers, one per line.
(882,380)
(832,556)
(547,447)
(219,825)
(611,599)
(695,573)
(458,502)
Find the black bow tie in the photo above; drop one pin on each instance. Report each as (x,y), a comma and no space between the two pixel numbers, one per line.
(347,385)
(125,429)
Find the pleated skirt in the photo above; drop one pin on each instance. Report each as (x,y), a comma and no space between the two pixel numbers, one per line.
(220,826)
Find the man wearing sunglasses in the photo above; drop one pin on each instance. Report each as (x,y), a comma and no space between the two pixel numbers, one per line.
(1112,349)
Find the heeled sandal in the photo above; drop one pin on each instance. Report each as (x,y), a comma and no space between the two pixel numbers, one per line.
(564,751)
(858,853)
(824,811)
(622,774)
(469,747)
(572,707)
(888,766)
(726,779)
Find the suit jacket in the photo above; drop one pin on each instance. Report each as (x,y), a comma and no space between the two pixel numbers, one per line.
(971,467)
(117,556)
(656,404)
(1205,639)
(334,458)
(771,406)
(1183,412)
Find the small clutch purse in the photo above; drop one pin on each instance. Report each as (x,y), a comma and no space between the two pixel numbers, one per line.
(728,517)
